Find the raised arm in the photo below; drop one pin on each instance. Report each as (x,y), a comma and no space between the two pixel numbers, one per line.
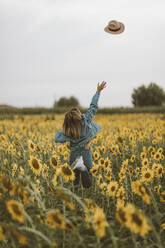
(94,103)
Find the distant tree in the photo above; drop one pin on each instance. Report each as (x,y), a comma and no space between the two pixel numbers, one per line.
(153,95)
(67,102)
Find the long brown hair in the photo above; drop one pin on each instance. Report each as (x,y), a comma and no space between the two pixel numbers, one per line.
(72,123)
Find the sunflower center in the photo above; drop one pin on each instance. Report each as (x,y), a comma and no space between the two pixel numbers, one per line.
(66,171)
(54,161)
(35,164)
(16,209)
(136,219)
(57,219)
(113,188)
(147,175)
(106,163)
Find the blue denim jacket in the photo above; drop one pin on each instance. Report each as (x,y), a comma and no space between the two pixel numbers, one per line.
(89,129)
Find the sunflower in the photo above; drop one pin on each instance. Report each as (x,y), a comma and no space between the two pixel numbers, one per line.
(162,196)
(67,172)
(96,155)
(151,149)
(132,159)
(55,177)
(159,171)
(15,234)
(121,193)
(31,146)
(160,150)
(7,184)
(101,162)
(157,156)
(54,219)
(23,194)
(103,187)
(16,210)
(54,161)
(121,215)
(99,222)
(99,179)
(61,149)
(108,174)
(90,204)
(112,188)
(107,163)
(35,165)
(94,170)
(154,141)
(136,222)
(145,162)
(142,155)
(147,175)
(157,188)
(140,190)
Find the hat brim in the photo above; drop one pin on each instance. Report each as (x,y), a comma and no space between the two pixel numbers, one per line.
(106,29)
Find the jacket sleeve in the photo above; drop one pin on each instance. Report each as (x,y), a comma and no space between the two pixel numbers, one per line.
(60,137)
(89,115)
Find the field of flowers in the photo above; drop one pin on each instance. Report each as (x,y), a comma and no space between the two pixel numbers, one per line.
(125,207)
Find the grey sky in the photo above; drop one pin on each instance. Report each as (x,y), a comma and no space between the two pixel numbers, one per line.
(54,48)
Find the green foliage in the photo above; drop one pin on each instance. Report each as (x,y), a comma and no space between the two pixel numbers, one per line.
(64,102)
(153,95)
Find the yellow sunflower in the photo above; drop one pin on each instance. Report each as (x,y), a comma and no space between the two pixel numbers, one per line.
(67,172)
(96,155)
(112,188)
(101,162)
(136,222)
(142,155)
(35,165)
(159,171)
(107,163)
(121,215)
(54,161)
(7,184)
(147,175)
(132,159)
(54,219)
(31,146)
(15,234)
(140,190)
(94,170)
(100,222)
(16,210)
(157,156)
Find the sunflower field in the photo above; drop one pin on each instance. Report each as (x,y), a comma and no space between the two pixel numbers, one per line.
(40,206)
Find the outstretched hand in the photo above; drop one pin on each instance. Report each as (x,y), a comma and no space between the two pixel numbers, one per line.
(101,86)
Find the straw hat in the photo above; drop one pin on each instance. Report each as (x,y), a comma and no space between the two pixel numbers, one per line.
(114,27)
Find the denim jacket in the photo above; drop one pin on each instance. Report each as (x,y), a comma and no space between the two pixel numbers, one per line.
(89,129)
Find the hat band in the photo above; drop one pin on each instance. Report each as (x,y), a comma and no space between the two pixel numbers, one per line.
(114,30)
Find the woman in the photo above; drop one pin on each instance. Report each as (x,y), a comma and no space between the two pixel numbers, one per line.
(79,130)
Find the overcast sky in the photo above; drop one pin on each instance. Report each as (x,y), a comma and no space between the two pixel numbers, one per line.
(55,48)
